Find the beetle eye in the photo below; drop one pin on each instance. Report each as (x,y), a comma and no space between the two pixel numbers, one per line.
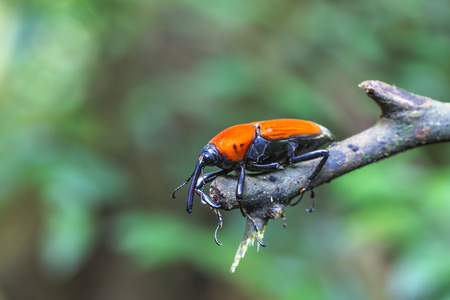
(209,159)
(210,156)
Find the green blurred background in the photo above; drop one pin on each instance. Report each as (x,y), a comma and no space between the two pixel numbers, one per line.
(105,105)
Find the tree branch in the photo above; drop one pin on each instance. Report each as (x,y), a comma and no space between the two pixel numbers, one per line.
(407,121)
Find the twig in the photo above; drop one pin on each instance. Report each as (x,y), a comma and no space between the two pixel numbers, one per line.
(407,121)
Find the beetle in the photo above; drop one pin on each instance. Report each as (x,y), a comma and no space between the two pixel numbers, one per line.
(258,146)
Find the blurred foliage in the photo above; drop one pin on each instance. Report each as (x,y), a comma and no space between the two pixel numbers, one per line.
(104,106)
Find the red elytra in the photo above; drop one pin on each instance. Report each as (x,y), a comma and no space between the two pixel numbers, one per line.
(285,128)
(234,141)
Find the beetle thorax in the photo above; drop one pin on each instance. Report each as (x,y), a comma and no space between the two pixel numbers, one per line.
(232,144)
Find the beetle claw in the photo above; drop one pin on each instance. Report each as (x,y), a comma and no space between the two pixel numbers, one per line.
(218,227)
(259,241)
(313,196)
(298,201)
(256,230)
(302,192)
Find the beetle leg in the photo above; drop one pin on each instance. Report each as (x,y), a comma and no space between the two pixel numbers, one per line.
(239,192)
(324,153)
(209,177)
(313,196)
(201,183)
(206,199)
(267,167)
(299,199)
(256,230)
(218,226)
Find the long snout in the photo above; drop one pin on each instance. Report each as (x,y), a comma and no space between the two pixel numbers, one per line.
(198,169)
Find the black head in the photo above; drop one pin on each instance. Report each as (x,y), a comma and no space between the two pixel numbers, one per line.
(209,156)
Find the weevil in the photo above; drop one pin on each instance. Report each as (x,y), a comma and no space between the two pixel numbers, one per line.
(258,146)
